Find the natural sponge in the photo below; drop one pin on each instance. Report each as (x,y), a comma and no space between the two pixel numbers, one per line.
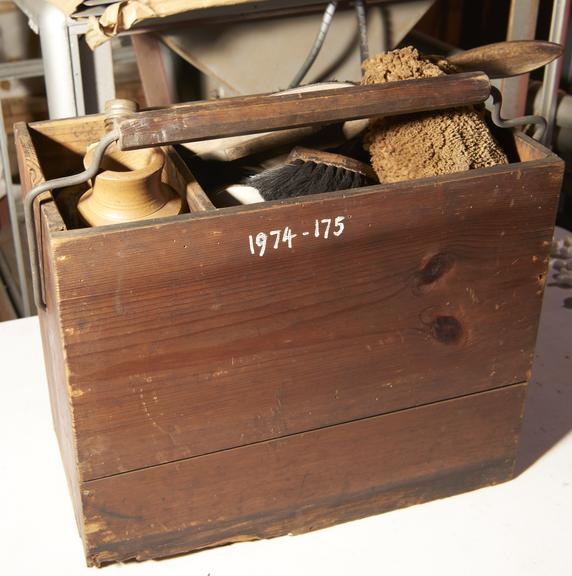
(428,143)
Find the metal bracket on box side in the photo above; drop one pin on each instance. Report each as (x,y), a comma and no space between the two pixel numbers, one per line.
(74,180)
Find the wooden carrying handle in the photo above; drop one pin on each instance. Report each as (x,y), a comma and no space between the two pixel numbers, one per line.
(251,114)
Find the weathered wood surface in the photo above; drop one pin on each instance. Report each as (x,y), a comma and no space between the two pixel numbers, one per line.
(306,481)
(250,114)
(180,342)
(54,358)
(62,144)
(31,173)
(180,177)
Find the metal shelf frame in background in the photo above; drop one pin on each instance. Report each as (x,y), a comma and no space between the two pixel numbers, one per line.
(68,64)
(19,291)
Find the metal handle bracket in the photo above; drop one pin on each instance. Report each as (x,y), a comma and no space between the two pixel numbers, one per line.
(33,240)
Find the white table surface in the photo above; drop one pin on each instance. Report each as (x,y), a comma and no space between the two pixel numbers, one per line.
(520,528)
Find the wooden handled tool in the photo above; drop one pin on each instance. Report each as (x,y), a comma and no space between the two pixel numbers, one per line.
(251,114)
(505,59)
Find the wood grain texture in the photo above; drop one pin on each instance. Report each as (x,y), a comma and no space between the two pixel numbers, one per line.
(31,173)
(251,114)
(152,70)
(179,342)
(62,144)
(56,371)
(528,148)
(181,178)
(306,481)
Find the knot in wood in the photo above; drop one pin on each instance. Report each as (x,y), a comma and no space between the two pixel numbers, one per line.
(437,266)
(447,330)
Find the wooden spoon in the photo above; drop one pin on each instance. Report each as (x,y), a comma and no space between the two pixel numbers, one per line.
(505,59)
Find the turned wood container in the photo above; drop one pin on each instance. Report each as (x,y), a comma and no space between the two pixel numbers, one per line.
(374,355)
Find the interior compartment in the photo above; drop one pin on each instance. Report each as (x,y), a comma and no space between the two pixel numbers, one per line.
(61,147)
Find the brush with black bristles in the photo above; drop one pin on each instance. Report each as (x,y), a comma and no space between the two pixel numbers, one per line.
(305,172)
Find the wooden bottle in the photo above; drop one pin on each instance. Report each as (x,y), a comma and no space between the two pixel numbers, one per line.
(129,187)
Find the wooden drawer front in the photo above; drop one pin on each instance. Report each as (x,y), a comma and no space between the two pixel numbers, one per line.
(180,342)
(305,481)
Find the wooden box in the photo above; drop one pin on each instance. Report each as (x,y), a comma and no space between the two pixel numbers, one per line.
(203,393)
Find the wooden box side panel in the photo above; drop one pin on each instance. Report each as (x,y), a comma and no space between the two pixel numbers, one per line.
(306,481)
(60,395)
(529,149)
(60,145)
(181,342)
(52,338)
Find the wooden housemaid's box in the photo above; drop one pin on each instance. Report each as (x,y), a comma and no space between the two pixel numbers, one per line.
(203,393)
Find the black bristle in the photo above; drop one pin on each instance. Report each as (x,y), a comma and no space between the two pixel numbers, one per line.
(346,179)
(324,178)
(300,178)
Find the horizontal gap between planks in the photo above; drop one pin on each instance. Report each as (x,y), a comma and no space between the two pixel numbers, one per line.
(310,430)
